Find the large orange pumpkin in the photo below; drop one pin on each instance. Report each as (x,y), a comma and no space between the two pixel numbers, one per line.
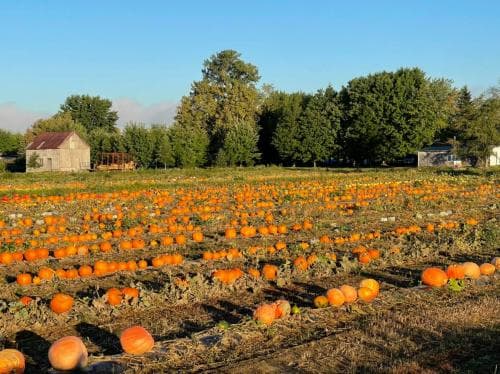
(371,284)
(335,297)
(68,353)
(11,361)
(136,340)
(61,303)
(434,277)
(487,269)
(350,293)
(366,294)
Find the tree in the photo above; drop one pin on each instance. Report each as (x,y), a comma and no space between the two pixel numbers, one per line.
(189,145)
(389,115)
(162,149)
(58,123)
(319,125)
(482,132)
(91,111)
(102,141)
(34,161)
(286,137)
(225,96)
(240,146)
(461,117)
(10,143)
(138,143)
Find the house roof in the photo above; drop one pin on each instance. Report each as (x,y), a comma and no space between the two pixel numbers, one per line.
(437,147)
(49,140)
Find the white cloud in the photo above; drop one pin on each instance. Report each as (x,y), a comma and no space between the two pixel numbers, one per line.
(15,118)
(131,110)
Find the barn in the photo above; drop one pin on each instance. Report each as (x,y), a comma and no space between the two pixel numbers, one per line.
(438,155)
(58,151)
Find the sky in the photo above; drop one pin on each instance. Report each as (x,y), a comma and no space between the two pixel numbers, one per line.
(144,55)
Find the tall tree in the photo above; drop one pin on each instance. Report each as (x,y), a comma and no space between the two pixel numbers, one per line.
(138,143)
(91,111)
(225,96)
(189,145)
(286,137)
(482,133)
(162,148)
(319,125)
(10,143)
(461,118)
(240,146)
(389,115)
(102,141)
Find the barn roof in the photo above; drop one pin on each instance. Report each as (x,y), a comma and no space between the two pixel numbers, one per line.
(49,140)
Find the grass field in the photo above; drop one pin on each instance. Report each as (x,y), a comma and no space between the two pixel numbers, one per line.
(180,224)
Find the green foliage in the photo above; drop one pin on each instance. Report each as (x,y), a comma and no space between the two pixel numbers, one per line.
(189,145)
(162,149)
(456,285)
(34,161)
(390,115)
(58,123)
(139,143)
(224,97)
(10,143)
(239,146)
(286,136)
(319,126)
(101,141)
(91,111)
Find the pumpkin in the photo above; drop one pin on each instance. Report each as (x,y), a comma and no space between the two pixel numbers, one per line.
(496,262)
(254,273)
(269,272)
(471,270)
(24,279)
(25,300)
(61,303)
(300,263)
(68,353)
(114,296)
(487,269)
(434,277)
(136,340)
(283,308)
(320,301)
(335,297)
(12,361)
(366,294)
(350,293)
(371,284)
(265,314)
(455,271)
(130,293)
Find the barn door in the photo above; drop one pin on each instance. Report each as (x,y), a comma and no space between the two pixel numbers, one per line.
(49,164)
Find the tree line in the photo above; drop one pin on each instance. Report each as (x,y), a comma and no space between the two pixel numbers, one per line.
(226,120)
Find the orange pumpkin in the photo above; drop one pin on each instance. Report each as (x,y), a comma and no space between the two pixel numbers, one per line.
(265,314)
(371,284)
(24,279)
(350,293)
(434,277)
(471,270)
(270,272)
(114,296)
(455,271)
(366,294)
(136,340)
(283,308)
(335,297)
(496,262)
(12,361)
(68,353)
(61,303)
(320,301)
(487,269)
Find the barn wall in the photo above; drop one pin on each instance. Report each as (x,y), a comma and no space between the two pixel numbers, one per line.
(72,155)
(495,157)
(434,158)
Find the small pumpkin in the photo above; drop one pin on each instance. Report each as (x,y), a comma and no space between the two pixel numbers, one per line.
(270,272)
(434,277)
(320,301)
(496,262)
(283,308)
(136,340)
(350,293)
(455,271)
(371,284)
(366,294)
(61,303)
(265,314)
(335,297)
(487,269)
(68,353)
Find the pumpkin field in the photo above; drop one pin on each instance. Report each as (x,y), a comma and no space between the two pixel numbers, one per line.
(251,270)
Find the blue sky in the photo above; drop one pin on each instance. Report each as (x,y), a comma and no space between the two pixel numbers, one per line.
(144,55)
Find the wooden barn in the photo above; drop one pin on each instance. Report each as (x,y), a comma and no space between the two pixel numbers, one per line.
(58,151)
